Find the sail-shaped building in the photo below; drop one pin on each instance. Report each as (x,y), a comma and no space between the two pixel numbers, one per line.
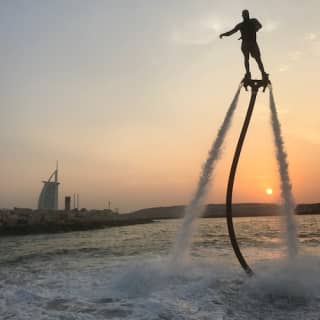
(49,196)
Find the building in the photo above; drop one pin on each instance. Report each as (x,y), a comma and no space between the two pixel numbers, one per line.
(49,196)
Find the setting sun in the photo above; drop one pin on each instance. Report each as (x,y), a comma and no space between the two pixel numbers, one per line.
(269,191)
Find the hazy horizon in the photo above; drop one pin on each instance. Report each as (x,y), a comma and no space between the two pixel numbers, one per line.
(128,96)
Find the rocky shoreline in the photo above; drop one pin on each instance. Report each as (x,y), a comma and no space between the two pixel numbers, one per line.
(27,221)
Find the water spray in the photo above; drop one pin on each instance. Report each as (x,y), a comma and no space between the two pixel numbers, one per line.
(196,205)
(286,189)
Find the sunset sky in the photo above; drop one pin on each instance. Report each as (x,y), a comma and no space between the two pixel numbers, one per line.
(128,95)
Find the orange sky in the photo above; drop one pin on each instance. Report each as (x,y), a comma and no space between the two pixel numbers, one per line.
(129,98)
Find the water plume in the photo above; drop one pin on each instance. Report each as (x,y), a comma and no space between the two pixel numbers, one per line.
(196,205)
(285,184)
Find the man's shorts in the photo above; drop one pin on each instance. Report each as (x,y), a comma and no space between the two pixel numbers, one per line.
(250,48)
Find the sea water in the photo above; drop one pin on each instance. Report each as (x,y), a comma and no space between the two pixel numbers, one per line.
(123,273)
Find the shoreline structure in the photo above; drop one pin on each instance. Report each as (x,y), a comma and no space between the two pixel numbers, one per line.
(22,221)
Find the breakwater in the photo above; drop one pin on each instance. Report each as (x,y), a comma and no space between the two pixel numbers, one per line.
(27,221)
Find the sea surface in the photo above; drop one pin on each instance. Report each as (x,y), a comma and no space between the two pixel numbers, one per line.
(128,273)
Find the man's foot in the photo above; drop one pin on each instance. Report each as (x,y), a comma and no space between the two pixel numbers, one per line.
(265,79)
(247,76)
(246,79)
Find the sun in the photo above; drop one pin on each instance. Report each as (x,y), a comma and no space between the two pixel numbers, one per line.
(269,191)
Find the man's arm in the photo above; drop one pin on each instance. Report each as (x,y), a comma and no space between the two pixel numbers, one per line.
(257,24)
(231,32)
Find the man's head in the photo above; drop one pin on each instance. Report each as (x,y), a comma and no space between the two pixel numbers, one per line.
(245,15)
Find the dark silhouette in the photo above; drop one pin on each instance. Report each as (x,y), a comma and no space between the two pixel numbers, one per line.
(248,29)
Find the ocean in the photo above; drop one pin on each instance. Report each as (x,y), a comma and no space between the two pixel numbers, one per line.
(127,273)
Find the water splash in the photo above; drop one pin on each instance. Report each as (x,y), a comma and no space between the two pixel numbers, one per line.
(286,189)
(196,206)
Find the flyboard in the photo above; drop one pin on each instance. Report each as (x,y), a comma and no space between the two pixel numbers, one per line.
(255,86)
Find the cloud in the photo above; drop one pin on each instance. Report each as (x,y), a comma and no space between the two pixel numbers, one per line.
(316,48)
(311,36)
(270,26)
(198,33)
(214,24)
(295,55)
(284,68)
(312,43)
(193,38)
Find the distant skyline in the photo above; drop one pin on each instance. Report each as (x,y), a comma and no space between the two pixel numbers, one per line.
(128,96)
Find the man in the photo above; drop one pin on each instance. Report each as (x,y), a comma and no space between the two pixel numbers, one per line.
(248,29)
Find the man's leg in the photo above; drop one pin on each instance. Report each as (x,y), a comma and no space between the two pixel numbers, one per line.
(260,64)
(245,51)
(257,55)
(246,63)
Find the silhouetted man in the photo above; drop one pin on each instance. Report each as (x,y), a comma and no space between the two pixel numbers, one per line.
(248,29)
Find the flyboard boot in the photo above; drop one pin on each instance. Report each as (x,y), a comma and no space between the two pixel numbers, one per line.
(265,76)
(265,80)
(246,80)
